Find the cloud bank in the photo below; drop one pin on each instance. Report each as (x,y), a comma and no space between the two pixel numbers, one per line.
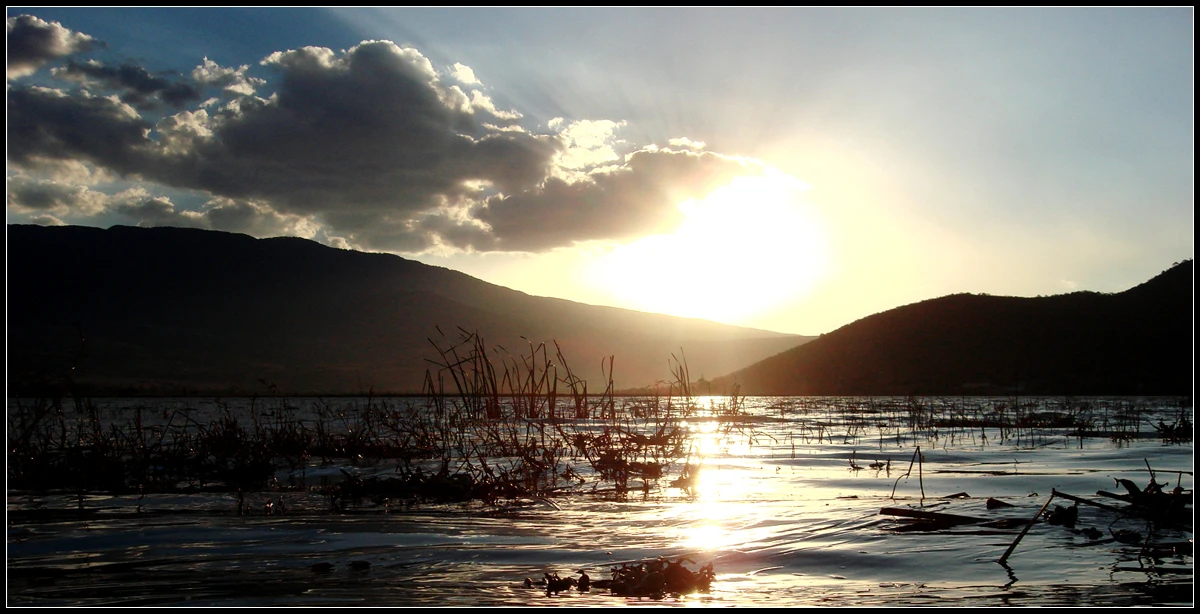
(371,147)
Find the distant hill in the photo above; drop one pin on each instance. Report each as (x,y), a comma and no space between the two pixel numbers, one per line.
(164,310)
(1140,341)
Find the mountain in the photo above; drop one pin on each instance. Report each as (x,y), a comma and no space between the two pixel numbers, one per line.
(167,310)
(1140,341)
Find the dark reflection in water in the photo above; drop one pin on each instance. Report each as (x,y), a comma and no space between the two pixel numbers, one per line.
(784,516)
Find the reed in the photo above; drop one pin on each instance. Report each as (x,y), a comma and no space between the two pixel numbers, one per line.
(498,427)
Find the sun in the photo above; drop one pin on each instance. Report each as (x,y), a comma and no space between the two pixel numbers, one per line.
(745,248)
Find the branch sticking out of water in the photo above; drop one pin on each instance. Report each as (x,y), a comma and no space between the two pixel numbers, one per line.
(918,459)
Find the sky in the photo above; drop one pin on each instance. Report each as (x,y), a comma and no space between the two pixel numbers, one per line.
(791,170)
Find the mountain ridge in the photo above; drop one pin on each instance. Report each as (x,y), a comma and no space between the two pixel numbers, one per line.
(1124,343)
(161,310)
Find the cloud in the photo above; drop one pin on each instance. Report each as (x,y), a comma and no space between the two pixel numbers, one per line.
(46,220)
(41,201)
(179,134)
(139,87)
(76,172)
(588,143)
(33,42)
(29,195)
(368,141)
(463,74)
(616,203)
(255,218)
(369,134)
(484,103)
(44,200)
(683,141)
(49,124)
(232,80)
(226,214)
(367,147)
(147,210)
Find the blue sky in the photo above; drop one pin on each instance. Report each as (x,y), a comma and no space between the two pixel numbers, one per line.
(785,169)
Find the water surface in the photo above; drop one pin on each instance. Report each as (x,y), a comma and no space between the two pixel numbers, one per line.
(787,509)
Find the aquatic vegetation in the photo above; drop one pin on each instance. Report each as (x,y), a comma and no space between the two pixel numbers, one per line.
(504,443)
(781,521)
(657,578)
(490,426)
(498,428)
(653,579)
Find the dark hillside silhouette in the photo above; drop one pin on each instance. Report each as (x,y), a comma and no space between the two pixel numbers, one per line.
(162,310)
(1139,341)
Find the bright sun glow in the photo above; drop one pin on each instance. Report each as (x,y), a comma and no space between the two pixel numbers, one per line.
(747,247)
(705,522)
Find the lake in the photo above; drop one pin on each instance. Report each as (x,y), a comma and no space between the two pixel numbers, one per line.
(784,500)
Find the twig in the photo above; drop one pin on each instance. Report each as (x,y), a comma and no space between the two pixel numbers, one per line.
(920,472)
(1016,541)
(922,515)
(915,459)
(1086,501)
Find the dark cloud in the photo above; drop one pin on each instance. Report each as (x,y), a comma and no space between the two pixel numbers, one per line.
(47,123)
(253,218)
(139,88)
(634,200)
(36,197)
(369,135)
(24,193)
(399,232)
(157,211)
(443,230)
(42,202)
(368,145)
(33,42)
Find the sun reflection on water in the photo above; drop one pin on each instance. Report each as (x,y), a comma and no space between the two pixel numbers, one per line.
(707,513)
